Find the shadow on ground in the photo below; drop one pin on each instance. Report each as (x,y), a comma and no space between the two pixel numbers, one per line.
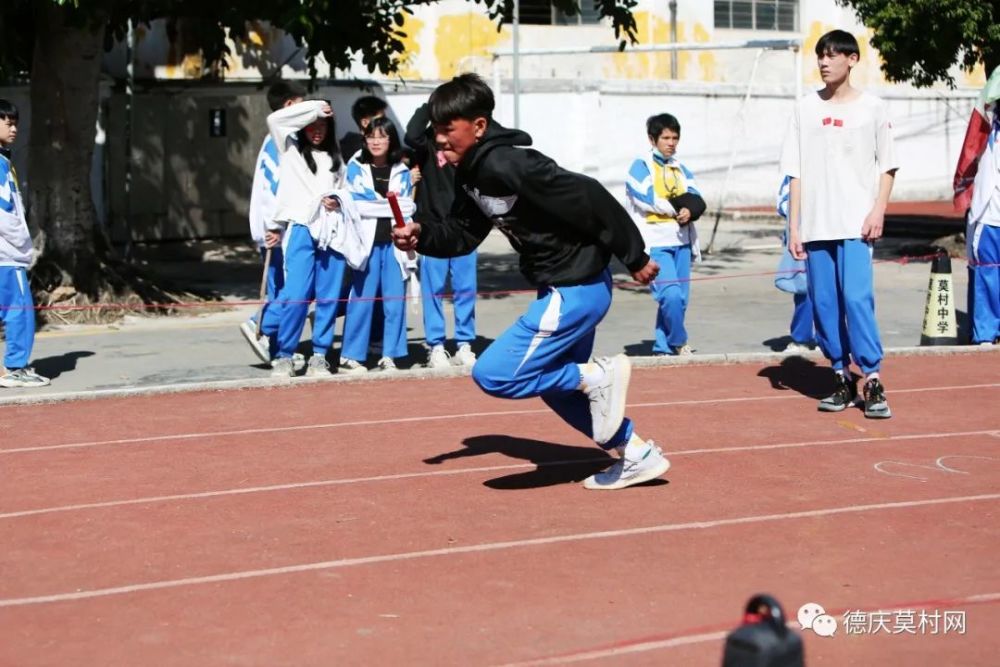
(53,367)
(799,374)
(555,464)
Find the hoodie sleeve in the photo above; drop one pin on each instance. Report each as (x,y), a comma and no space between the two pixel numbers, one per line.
(458,234)
(416,131)
(580,202)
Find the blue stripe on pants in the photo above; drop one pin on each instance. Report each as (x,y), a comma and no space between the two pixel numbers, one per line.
(538,354)
(382,273)
(671,291)
(18,315)
(840,286)
(433,276)
(802,329)
(984,285)
(309,273)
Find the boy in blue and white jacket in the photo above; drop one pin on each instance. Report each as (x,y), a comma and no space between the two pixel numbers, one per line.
(16,252)
(663,199)
(266,232)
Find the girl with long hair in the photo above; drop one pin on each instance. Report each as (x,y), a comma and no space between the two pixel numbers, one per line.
(373,173)
(311,169)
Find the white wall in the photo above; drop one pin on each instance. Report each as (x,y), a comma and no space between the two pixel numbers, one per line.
(599,129)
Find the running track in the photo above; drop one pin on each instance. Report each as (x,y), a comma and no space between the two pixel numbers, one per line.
(422,522)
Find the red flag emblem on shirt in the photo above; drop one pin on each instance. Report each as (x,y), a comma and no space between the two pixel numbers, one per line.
(838,122)
(827,120)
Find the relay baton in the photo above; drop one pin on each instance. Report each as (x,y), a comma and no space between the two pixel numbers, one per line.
(398,215)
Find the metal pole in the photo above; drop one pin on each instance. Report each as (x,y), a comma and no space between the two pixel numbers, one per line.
(129,103)
(797,52)
(497,81)
(737,134)
(517,63)
(673,38)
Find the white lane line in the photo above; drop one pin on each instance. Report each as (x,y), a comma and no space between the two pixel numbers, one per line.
(429,418)
(641,647)
(486,547)
(462,471)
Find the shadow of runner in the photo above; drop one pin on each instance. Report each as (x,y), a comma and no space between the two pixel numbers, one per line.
(556,464)
(53,367)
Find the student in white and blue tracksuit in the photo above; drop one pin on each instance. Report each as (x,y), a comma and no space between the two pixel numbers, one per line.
(16,307)
(664,201)
(983,238)
(802,330)
(311,170)
(265,232)
(371,174)
(565,227)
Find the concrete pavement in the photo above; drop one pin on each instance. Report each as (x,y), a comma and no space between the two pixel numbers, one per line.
(734,309)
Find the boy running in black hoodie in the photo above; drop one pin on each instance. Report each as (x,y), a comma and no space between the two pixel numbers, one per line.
(565,227)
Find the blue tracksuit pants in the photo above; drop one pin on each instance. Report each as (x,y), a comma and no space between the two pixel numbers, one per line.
(381,274)
(671,291)
(310,273)
(539,353)
(433,277)
(18,315)
(984,283)
(840,286)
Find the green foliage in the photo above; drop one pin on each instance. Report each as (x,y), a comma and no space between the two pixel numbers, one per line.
(920,40)
(339,30)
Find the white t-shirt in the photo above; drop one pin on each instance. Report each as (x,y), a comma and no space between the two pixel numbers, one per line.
(839,151)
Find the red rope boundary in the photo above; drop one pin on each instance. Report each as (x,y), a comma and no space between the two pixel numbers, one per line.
(139,307)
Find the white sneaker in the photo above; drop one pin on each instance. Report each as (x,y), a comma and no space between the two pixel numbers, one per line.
(299,361)
(628,472)
(607,400)
(465,355)
(797,348)
(282,368)
(23,377)
(259,344)
(318,367)
(684,350)
(438,358)
(352,367)
(387,364)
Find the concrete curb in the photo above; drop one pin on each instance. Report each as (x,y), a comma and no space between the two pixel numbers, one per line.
(457,371)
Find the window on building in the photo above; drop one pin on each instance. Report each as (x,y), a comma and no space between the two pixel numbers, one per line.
(541,12)
(757,14)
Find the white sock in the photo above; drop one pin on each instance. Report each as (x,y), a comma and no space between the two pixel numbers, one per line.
(636,448)
(872,376)
(591,375)
(839,372)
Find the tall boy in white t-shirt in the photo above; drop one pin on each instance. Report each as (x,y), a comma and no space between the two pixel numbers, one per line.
(839,153)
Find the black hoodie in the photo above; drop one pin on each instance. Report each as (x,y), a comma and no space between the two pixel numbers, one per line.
(436,189)
(564,226)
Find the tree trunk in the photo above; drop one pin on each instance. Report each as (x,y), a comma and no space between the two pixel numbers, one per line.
(65,73)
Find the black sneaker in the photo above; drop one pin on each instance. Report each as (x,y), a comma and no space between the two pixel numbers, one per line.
(841,398)
(876,405)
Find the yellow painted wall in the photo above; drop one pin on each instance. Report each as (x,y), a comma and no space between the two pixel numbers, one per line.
(461,36)
(654,29)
